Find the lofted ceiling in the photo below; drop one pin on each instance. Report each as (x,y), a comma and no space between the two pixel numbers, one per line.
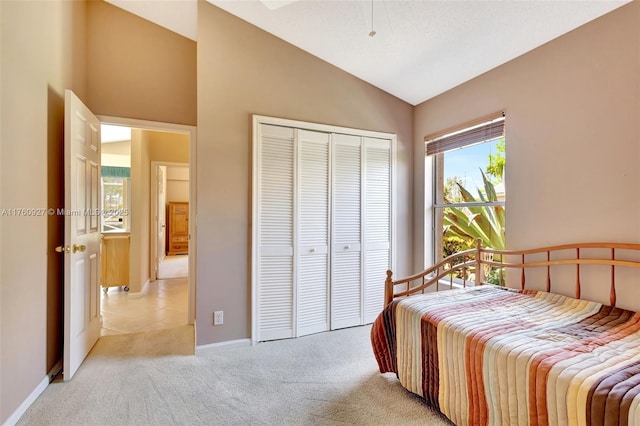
(421,48)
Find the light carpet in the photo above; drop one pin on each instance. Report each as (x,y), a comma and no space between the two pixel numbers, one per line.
(174,267)
(138,379)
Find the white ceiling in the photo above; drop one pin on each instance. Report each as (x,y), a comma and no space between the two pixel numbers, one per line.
(109,133)
(421,48)
(180,16)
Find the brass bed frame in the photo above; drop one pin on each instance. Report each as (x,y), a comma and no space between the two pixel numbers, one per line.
(477,259)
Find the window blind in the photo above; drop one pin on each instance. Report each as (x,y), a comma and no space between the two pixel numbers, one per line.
(469,135)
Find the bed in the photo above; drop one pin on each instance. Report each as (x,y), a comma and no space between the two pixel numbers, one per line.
(490,354)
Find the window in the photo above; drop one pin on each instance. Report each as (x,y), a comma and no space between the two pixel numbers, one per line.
(115,199)
(469,190)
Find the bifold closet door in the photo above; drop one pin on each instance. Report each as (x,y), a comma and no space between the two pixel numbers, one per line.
(377,223)
(275,234)
(312,233)
(321,230)
(346,231)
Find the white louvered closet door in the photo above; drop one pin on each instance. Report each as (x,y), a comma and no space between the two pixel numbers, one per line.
(346,266)
(377,223)
(275,280)
(322,227)
(312,244)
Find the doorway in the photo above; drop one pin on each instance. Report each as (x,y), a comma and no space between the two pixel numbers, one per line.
(170,203)
(153,303)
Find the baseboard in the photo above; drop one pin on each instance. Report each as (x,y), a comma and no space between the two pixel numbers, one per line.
(202,349)
(13,418)
(138,294)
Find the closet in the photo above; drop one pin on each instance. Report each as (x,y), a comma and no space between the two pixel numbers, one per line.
(322,227)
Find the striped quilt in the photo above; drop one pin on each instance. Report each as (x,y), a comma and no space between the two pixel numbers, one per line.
(491,356)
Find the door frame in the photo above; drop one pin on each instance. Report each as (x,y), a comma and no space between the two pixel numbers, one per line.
(192,132)
(154,205)
(154,188)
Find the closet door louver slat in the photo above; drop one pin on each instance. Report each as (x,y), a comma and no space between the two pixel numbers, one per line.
(276,297)
(312,294)
(375,272)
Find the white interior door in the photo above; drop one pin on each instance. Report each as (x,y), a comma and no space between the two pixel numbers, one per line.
(161,182)
(81,248)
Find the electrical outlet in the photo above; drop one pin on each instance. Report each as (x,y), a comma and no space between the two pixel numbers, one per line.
(218,317)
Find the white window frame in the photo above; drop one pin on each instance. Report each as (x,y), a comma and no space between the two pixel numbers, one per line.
(438,185)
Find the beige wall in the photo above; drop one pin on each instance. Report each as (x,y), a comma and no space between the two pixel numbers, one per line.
(177,190)
(169,147)
(43,53)
(177,183)
(116,148)
(572,131)
(116,154)
(241,71)
(140,205)
(138,69)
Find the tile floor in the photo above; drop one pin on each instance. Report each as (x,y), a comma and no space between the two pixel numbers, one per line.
(163,305)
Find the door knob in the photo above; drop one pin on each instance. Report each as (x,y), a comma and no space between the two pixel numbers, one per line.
(79,248)
(63,249)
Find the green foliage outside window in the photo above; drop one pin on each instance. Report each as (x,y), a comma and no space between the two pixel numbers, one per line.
(471,223)
(464,225)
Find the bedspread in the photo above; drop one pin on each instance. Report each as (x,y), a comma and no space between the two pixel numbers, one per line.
(489,355)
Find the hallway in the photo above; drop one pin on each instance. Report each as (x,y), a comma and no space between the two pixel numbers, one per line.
(163,305)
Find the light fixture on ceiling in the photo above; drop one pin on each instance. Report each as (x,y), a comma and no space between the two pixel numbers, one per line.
(372,33)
